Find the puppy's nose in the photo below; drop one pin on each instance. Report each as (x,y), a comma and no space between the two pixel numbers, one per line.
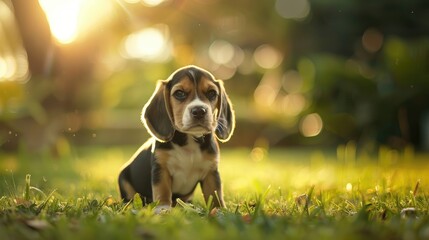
(198,112)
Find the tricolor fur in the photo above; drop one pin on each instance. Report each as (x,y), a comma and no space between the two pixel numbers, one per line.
(186,115)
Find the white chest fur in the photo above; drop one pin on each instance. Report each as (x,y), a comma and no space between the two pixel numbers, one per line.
(187,166)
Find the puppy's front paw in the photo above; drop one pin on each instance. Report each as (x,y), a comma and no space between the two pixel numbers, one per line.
(162,209)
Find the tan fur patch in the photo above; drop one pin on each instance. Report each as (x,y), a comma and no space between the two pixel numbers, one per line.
(211,156)
(206,85)
(162,190)
(162,156)
(178,107)
(211,188)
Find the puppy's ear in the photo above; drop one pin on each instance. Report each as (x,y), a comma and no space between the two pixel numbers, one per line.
(225,118)
(156,114)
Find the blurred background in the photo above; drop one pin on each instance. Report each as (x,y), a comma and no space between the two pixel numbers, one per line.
(300,73)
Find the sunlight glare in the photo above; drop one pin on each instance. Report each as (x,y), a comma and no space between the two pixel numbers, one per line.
(132,1)
(149,3)
(152,3)
(63,18)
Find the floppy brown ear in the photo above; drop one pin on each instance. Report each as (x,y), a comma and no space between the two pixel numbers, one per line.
(156,114)
(226,118)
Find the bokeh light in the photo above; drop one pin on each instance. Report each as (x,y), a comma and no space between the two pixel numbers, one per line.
(224,58)
(14,67)
(266,92)
(247,65)
(292,81)
(268,57)
(3,68)
(13,57)
(221,52)
(223,72)
(293,9)
(238,58)
(311,125)
(293,104)
(372,40)
(149,44)
(7,67)
(265,95)
(349,187)
(258,154)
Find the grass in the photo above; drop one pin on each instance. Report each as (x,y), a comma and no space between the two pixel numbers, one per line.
(280,194)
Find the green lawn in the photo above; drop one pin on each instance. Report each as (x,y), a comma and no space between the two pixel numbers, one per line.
(279,194)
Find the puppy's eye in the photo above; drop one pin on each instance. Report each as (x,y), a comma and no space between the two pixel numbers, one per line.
(180,95)
(211,95)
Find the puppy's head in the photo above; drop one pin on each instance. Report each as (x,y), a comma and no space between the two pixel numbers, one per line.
(190,101)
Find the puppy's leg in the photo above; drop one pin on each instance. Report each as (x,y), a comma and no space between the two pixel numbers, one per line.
(161,187)
(211,186)
(126,189)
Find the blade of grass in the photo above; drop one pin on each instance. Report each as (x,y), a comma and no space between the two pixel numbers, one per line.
(209,204)
(416,188)
(122,210)
(307,202)
(27,187)
(260,199)
(45,202)
(38,190)
(217,197)
(186,206)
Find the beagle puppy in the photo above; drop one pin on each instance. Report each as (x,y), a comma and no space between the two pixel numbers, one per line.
(185,116)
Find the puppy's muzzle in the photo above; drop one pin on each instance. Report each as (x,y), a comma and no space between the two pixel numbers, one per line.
(198,112)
